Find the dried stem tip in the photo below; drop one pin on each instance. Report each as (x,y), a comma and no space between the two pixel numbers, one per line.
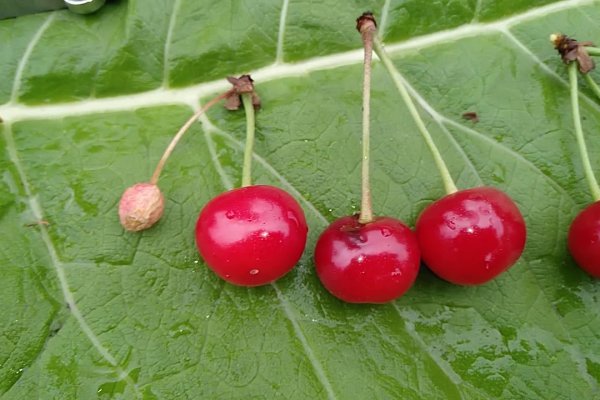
(366,22)
(571,50)
(241,85)
(141,206)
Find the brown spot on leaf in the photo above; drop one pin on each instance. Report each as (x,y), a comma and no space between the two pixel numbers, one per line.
(471,116)
(37,223)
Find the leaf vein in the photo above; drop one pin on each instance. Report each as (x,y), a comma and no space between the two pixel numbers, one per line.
(281,34)
(443,366)
(521,46)
(385,14)
(317,367)
(190,95)
(212,128)
(575,354)
(27,55)
(57,264)
(168,41)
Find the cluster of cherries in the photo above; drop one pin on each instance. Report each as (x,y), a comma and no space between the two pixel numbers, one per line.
(255,234)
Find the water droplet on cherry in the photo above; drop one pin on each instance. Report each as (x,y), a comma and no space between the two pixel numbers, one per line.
(254,271)
(230,214)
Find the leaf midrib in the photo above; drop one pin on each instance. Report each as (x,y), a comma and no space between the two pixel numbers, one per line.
(190,95)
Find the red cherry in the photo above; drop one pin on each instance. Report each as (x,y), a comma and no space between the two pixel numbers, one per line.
(252,235)
(367,263)
(471,236)
(584,239)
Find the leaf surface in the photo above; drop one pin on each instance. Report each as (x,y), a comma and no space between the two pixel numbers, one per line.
(89,103)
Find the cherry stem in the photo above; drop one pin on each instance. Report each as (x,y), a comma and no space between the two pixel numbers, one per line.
(449,184)
(250,126)
(587,166)
(367,31)
(593,85)
(593,51)
(184,128)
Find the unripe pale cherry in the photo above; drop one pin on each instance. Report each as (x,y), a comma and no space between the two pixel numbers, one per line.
(141,206)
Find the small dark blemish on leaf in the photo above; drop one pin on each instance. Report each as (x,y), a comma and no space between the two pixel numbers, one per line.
(37,223)
(471,116)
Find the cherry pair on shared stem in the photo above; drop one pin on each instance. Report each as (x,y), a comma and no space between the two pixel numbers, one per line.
(367,259)
(255,234)
(468,237)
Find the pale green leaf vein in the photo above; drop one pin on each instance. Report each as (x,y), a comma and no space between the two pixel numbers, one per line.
(210,127)
(27,55)
(576,354)
(385,14)
(288,312)
(521,46)
(477,12)
(510,152)
(191,95)
(318,368)
(442,120)
(225,179)
(58,266)
(281,34)
(168,41)
(446,369)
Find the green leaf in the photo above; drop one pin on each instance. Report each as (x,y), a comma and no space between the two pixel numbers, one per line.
(89,103)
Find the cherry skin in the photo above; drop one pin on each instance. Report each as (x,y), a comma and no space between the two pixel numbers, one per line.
(471,236)
(252,235)
(375,262)
(584,239)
